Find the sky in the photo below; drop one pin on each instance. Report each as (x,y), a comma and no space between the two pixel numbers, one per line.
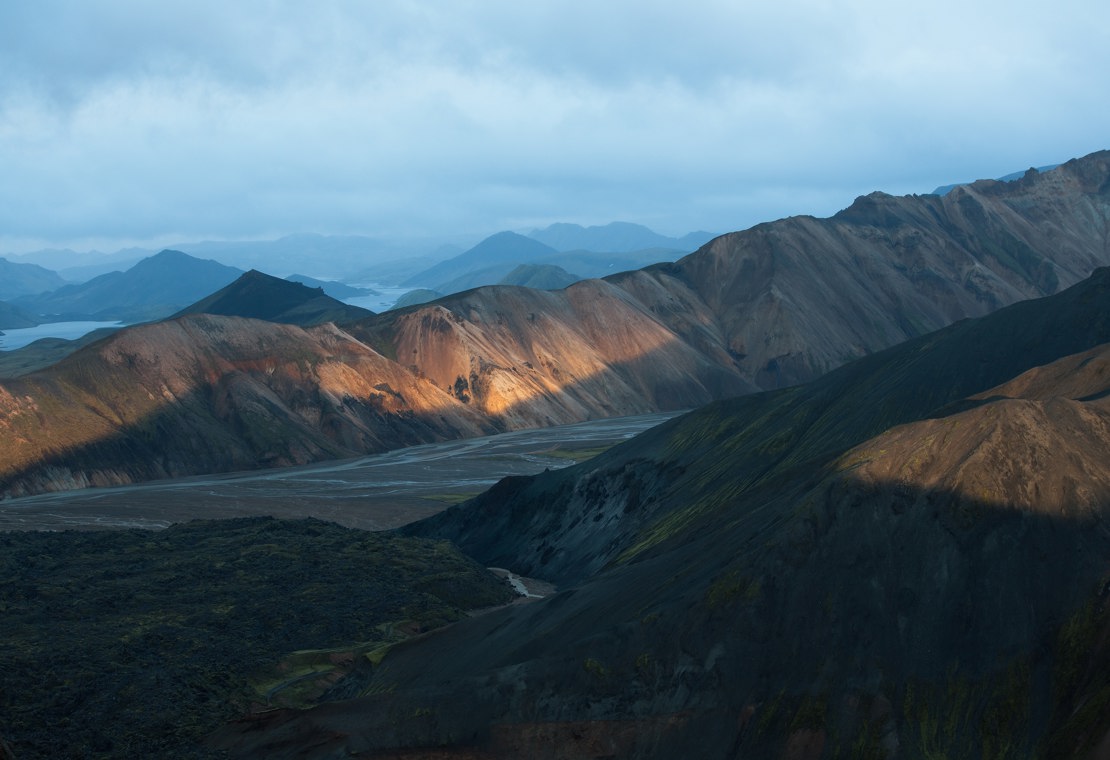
(126,122)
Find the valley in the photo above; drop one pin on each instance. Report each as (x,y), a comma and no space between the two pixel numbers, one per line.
(882,532)
(377,492)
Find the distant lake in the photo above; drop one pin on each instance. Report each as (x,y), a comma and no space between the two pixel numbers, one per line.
(13,339)
(387,296)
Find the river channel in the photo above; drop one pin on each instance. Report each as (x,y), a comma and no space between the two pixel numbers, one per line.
(373,493)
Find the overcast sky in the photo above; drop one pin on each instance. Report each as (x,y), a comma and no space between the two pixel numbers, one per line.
(134,122)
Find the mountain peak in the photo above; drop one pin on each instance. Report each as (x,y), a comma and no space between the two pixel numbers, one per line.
(258,295)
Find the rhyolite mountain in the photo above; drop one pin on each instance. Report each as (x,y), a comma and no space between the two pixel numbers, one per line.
(154,288)
(258,295)
(776,305)
(19,279)
(908,557)
(206,393)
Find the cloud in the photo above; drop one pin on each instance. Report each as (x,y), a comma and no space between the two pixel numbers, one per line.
(130,120)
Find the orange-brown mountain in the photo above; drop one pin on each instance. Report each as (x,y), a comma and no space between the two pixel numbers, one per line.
(907,557)
(775,305)
(206,393)
(778,304)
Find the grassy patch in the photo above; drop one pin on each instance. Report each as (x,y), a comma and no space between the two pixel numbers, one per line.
(451,498)
(576,455)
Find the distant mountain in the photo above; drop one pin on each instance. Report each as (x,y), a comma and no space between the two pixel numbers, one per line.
(416,297)
(945,189)
(337,290)
(491,261)
(615,237)
(540,276)
(260,296)
(26,279)
(504,248)
(152,289)
(12,318)
(72,264)
(353,258)
(906,553)
(350,257)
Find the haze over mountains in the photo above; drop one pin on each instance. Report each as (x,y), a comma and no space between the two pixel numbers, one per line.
(772,306)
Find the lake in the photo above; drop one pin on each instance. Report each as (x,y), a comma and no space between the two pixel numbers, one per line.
(13,339)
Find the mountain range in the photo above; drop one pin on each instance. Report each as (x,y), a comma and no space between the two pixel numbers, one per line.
(492,260)
(773,306)
(615,237)
(882,532)
(907,557)
(154,288)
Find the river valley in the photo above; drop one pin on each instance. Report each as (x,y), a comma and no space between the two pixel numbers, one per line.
(376,492)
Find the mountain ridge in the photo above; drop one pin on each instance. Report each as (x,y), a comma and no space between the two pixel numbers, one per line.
(770,307)
(154,288)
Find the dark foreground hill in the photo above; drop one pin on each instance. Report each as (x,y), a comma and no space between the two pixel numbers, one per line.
(906,558)
(128,644)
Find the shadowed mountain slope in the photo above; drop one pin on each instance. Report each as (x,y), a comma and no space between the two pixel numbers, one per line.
(860,566)
(259,296)
(207,393)
(154,288)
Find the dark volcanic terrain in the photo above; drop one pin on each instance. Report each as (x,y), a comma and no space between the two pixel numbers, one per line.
(135,644)
(909,557)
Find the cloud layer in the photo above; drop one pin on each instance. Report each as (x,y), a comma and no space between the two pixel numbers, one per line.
(125,121)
